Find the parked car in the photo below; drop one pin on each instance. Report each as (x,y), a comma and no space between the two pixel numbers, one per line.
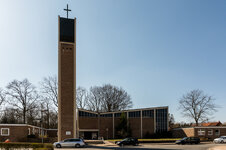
(70,143)
(221,139)
(128,141)
(188,140)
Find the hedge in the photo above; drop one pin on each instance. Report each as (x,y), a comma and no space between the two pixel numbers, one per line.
(35,146)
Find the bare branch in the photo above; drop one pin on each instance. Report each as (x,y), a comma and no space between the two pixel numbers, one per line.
(81,97)
(22,95)
(49,87)
(197,105)
(108,98)
(2,96)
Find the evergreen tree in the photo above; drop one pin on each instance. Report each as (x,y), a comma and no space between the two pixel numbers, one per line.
(123,129)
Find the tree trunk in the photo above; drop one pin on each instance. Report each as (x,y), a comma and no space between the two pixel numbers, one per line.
(24,116)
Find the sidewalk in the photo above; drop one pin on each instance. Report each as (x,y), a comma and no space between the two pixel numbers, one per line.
(218,148)
(105,143)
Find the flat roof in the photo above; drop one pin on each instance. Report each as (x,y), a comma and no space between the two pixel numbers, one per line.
(129,110)
(21,125)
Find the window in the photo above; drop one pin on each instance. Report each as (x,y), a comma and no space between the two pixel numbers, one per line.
(161,120)
(217,132)
(201,132)
(210,132)
(5,131)
(148,113)
(118,115)
(106,115)
(134,114)
(67,140)
(29,131)
(86,114)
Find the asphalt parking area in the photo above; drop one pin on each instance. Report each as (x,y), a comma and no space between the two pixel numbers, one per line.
(154,146)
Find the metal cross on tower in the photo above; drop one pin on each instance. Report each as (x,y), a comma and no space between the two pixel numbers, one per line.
(67,10)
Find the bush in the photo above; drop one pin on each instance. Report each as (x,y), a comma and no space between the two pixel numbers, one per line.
(31,136)
(158,135)
(35,146)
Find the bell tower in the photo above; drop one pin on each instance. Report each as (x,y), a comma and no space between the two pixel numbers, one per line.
(66,77)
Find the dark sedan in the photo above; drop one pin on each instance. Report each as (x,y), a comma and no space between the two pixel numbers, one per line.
(188,140)
(128,141)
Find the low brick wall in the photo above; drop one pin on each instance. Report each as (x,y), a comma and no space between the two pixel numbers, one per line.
(183,132)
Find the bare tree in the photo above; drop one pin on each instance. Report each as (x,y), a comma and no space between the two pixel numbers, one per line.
(115,98)
(45,110)
(108,98)
(2,96)
(95,99)
(197,105)
(22,95)
(11,115)
(49,87)
(33,116)
(53,120)
(81,97)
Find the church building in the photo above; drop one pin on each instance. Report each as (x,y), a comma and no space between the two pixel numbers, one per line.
(142,122)
(88,124)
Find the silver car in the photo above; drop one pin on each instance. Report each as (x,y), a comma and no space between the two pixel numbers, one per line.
(70,143)
(221,139)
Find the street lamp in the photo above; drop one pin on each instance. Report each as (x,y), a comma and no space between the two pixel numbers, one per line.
(41,122)
(107,133)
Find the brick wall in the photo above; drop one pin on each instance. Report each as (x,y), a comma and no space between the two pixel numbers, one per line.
(183,132)
(135,125)
(66,89)
(207,134)
(52,133)
(16,133)
(148,126)
(106,127)
(88,123)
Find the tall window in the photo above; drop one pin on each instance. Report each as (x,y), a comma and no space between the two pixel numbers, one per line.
(4,131)
(29,131)
(161,120)
(134,114)
(148,113)
(217,132)
(118,115)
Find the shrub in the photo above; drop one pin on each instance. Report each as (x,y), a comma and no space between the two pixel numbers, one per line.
(35,146)
(158,135)
(31,136)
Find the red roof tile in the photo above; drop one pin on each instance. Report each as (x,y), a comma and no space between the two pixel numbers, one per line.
(208,124)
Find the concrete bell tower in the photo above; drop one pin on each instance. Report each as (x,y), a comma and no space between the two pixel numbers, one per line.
(66,78)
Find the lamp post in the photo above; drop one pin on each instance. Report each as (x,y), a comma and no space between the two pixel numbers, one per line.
(41,122)
(41,130)
(107,133)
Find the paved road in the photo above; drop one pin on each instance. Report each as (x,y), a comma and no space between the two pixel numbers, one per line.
(150,146)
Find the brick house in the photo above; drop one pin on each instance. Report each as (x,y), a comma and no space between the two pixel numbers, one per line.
(19,132)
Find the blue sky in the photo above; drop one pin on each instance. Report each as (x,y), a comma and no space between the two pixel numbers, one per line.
(157,50)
